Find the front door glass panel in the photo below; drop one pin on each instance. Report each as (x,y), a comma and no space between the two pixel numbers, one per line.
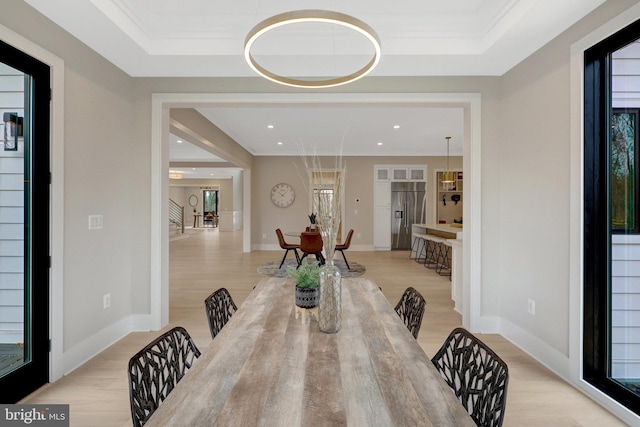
(14,193)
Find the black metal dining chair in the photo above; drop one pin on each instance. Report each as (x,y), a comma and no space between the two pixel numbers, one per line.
(219,307)
(287,247)
(156,369)
(410,308)
(476,374)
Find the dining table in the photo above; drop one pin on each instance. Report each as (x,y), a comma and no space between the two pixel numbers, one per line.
(271,367)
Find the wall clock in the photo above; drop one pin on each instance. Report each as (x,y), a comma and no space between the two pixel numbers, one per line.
(282,195)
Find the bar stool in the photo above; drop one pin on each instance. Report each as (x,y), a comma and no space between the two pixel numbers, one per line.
(418,247)
(433,250)
(444,267)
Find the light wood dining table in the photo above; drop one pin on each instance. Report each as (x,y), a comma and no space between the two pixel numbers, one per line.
(268,368)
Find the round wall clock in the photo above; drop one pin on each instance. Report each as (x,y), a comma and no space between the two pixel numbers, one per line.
(282,195)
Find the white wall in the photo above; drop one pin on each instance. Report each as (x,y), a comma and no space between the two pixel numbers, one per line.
(539,179)
(104,158)
(270,170)
(533,181)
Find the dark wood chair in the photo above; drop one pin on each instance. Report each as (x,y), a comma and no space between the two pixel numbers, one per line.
(476,374)
(208,218)
(311,243)
(219,307)
(410,308)
(156,369)
(287,247)
(344,246)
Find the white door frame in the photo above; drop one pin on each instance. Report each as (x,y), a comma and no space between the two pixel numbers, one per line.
(161,104)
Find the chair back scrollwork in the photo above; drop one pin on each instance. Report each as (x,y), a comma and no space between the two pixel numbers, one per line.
(156,369)
(411,308)
(476,374)
(219,307)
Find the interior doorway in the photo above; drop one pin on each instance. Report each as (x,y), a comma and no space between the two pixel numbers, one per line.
(210,200)
(472,149)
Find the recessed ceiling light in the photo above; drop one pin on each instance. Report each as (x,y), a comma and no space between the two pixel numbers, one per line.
(270,126)
(179,141)
(379,143)
(193,169)
(279,142)
(396,126)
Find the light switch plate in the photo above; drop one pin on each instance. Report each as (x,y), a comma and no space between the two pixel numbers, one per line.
(95,222)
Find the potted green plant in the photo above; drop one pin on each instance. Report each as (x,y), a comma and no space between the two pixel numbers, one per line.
(306,279)
(312,219)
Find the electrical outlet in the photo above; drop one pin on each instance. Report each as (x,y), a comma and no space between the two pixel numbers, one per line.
(358,235)
(264,235)
(106,301)
(531,307)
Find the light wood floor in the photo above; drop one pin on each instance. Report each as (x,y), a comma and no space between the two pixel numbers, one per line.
(98,391)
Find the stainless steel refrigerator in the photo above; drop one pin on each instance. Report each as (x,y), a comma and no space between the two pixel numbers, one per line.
(408,205)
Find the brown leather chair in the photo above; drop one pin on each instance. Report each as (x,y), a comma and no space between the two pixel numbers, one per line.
(344,246)
(311,243)
(287,247)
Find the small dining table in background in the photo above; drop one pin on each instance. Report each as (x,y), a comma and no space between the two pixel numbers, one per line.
(267,367)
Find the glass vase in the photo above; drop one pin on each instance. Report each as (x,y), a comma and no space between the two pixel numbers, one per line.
(330,304)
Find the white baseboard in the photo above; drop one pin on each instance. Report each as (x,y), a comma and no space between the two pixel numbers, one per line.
(265,247)
(489,325)
(89,348)
(555,361)
(360,248)
(551,358)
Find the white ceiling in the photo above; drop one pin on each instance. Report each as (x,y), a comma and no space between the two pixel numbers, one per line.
(375,130)
(419,37)
(204,38)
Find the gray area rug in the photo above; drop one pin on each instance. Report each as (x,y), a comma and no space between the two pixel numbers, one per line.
(271,268)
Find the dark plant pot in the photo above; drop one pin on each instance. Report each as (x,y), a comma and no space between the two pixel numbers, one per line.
(306,298)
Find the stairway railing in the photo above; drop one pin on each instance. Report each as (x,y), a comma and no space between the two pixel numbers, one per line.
(176,214)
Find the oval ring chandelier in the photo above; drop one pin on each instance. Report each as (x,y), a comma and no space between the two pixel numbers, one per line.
(303,16)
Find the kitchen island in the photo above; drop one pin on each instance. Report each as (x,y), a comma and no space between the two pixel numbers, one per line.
(447,231)
(454,236)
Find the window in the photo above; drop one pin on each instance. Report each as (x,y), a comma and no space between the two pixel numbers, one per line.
(624,166)
(323,184)
(210,202)
(611,309)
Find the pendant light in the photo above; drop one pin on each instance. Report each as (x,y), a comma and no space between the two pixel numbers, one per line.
(448,176)
(312,16)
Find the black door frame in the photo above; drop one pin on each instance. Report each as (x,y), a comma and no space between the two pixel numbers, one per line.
(35,372)
(597,217)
